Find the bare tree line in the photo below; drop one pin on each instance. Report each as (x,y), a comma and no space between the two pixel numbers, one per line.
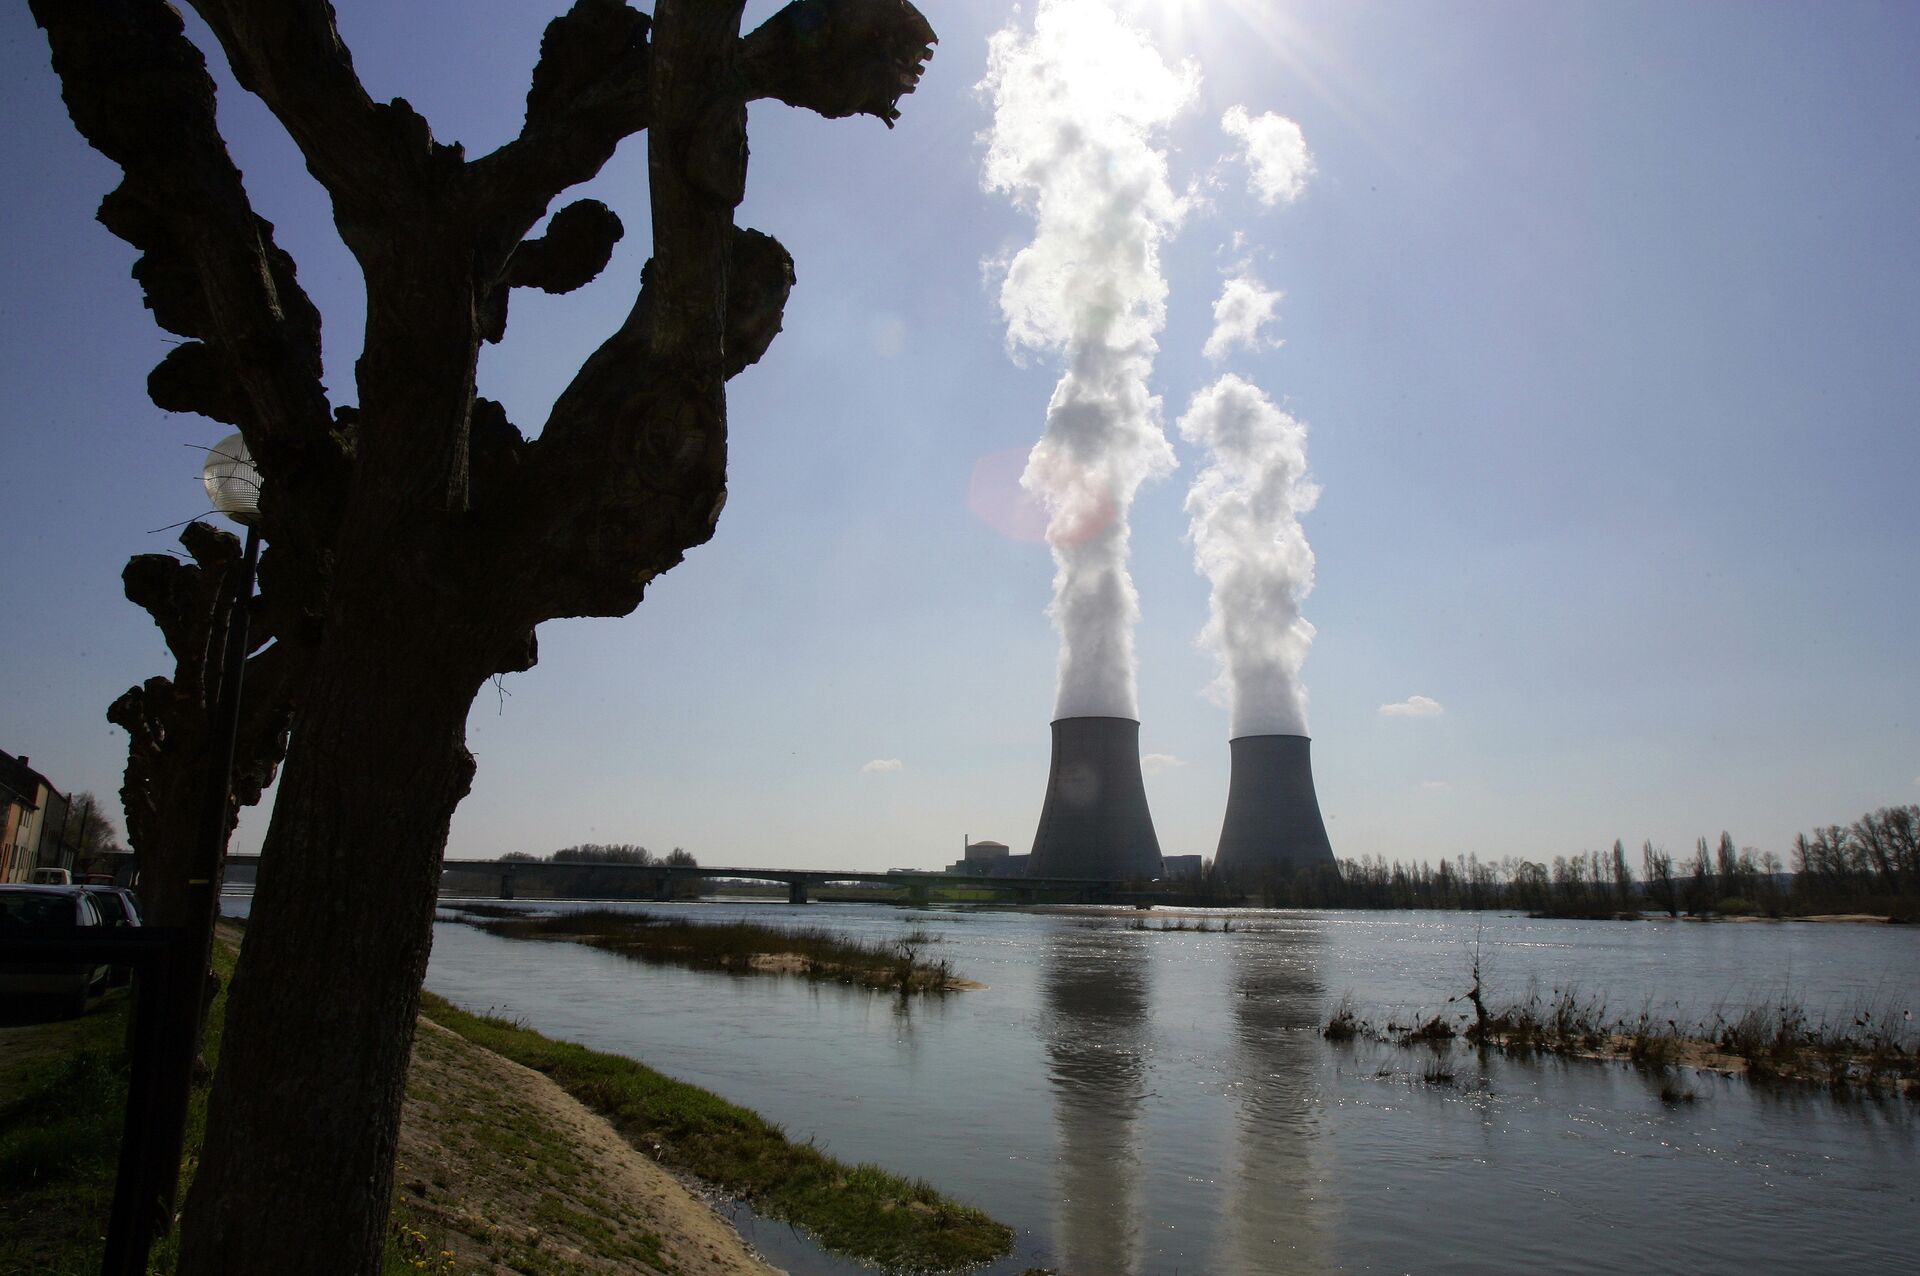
(609,853)
(1869,866)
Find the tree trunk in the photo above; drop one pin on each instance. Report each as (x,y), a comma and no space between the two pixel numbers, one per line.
(309,1100)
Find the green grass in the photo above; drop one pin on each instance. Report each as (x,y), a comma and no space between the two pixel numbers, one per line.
(897,965)
(1871,1048)
(61,1142)
(861,1211)
(60,1145)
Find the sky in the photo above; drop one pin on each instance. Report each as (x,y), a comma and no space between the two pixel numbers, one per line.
(1600,320)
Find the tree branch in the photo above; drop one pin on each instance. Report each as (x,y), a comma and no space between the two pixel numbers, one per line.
(139,92)
(592,88)
(839,57)
(367,155)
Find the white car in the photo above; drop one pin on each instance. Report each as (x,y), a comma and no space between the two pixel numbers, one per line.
(25,910)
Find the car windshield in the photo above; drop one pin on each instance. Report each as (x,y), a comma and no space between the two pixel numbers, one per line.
(23,908)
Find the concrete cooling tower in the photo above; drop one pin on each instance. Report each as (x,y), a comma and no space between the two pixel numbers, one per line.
(1095,821)
(1273,822)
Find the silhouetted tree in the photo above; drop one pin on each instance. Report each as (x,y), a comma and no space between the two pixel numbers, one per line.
(1658,866)
(173,757)
(1701,887)
(595,853)
(417,538)
(1622,876)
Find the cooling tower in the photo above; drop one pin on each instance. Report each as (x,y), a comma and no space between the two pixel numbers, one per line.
(1273,822)
(1095,821)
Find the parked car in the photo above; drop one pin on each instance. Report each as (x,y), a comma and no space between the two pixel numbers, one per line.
(51,877)
(27,909)
(118,907)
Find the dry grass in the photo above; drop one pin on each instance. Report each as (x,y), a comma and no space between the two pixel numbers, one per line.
(1872,1049)
(738,947)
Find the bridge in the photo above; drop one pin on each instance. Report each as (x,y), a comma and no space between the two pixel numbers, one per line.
(505,877)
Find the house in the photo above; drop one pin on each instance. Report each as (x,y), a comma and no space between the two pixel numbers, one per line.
(36,822)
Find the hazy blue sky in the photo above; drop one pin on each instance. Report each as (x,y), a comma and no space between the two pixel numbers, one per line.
(1603,319)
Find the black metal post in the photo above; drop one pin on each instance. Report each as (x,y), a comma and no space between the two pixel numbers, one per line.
(166,1042)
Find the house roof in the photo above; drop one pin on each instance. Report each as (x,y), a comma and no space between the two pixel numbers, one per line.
(20,783)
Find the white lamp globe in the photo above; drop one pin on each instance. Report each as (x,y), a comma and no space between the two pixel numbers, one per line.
(233,484)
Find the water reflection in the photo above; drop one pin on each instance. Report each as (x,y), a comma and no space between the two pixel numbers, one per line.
(1279,1213)
(1094,1001)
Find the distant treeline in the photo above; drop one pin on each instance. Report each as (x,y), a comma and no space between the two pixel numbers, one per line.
(601,853)
(1869,866)
(587,855)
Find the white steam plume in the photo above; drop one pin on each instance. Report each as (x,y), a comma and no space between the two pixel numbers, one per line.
(1278,161)
(1245,509)
(1244,308)
(1077,104)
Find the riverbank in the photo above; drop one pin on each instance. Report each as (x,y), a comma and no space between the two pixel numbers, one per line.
(861,1211)
(510,1160)
(501,1170)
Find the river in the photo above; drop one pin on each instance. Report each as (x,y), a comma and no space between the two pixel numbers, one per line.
(1161,1102)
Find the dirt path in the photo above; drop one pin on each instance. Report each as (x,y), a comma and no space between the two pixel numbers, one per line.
(502,1171)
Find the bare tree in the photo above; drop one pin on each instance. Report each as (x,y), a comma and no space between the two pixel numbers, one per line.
(1622,876)
(171,753)
(1702,889)
(416,538)
(1659,869)
(89,829)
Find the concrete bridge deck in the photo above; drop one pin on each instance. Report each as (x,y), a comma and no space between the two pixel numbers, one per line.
(508,875)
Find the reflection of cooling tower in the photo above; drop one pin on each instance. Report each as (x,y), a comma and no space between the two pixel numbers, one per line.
(1273,819)
(1095,821)
(1095,995)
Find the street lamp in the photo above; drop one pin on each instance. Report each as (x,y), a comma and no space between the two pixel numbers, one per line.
(167,1014)
(232,481)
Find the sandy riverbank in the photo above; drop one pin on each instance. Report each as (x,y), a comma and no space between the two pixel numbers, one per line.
(502,1171)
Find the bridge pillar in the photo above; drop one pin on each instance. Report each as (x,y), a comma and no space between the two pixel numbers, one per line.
(797,891)
(662,888)
(919,893)
(506,884)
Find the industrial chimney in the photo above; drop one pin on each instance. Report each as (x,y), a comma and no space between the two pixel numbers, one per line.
(1095,821)
(1273,822)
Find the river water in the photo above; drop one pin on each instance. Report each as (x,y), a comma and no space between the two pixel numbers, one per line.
(1162,1102)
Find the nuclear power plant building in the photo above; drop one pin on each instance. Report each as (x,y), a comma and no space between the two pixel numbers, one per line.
(1273,825)
(1094,822)
(989,859)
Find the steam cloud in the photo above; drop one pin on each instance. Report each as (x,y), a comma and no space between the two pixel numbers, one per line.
(1245,512)
(1244,308)
(1077,107)
(1278,162)
(1413,707)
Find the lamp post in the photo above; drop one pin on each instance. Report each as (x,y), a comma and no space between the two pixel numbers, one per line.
(168,1011)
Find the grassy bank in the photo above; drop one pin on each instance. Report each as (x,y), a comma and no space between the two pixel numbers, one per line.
(739,947)
(493,1182)
(60,1132)
(60,1120)
(1872,1050)
(861,1211)
(59,1137)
